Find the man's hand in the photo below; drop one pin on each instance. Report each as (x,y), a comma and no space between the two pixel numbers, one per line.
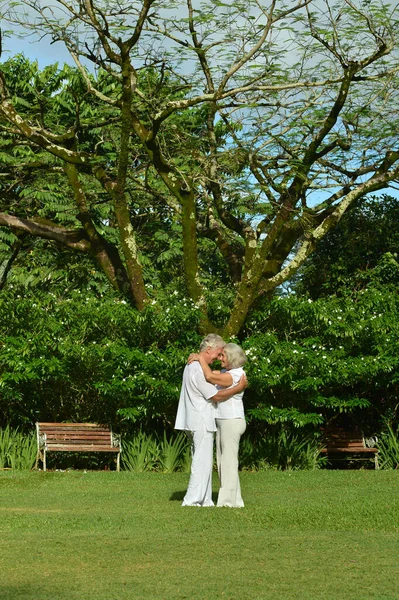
(242,384)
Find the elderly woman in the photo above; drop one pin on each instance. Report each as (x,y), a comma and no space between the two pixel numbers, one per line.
(230,422)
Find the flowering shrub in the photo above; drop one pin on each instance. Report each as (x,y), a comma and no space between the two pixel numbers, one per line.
(83,358)
(77,357)
(313,361)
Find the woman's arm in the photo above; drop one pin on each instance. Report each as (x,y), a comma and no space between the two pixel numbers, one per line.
(215,377)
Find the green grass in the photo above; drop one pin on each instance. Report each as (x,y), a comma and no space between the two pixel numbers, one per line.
(116,536)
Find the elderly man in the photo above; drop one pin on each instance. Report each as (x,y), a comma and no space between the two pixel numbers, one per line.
(196,415)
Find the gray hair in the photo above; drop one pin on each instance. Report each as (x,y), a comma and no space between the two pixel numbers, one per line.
(235,356)
(212,340)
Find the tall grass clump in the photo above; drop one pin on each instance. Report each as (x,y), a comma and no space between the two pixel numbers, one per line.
(140,453)
(145,452)
(173,455)
(281,450)
(17,449)
(388,449)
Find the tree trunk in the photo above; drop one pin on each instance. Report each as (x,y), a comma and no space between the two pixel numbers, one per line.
(7,263)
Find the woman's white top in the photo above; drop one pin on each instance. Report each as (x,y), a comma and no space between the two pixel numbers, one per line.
(233,408)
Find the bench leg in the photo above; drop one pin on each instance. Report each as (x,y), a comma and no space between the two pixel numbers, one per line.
(44,460)
(377,466)
(118,462)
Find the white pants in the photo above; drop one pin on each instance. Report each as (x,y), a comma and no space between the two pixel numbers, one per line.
(199,491)
(228,434)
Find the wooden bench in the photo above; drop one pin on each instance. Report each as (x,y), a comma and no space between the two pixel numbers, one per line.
(339,443)
(75,437)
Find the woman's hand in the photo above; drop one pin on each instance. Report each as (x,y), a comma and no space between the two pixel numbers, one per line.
(193,356)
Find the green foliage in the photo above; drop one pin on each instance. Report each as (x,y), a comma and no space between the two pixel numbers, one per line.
(140,454)
(388,449)
(17,449)
(76,357)
(5,446)
(145,452)
(40,268)
(83,358)
(173,453)
(313,362)
(281,449)
(221,160)
(361,251)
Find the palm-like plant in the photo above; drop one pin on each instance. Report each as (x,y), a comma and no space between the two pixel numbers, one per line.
(388,449)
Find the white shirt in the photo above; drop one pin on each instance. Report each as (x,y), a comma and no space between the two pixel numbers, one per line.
(195,406)
(233,408)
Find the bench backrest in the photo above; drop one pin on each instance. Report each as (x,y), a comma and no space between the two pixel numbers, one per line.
(78,436)
(340,438)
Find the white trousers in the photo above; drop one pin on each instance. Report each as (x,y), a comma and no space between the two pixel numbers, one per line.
(228,434)
(199,491)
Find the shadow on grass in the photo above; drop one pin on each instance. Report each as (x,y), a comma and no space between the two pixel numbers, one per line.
(27,592)
(178,496)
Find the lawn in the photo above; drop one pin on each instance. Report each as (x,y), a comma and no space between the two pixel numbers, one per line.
(105,535)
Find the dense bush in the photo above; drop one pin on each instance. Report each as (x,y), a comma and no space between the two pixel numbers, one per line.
(83,358)
(360,251)
(314,362)
(78,357)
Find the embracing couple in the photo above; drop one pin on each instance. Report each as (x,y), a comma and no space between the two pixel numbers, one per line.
(212,401)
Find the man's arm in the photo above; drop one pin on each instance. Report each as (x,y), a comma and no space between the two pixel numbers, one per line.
(229,392)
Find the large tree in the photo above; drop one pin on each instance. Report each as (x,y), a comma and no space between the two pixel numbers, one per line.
(299,112)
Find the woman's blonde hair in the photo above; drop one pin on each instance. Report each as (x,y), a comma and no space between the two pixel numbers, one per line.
(235,355)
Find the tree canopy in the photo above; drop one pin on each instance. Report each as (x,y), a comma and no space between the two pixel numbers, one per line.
(362,250)
(227,137)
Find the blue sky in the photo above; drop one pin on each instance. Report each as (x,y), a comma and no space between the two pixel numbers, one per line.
(35,49)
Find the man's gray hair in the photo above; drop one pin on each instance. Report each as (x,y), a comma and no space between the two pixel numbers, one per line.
(235,356)
(212,340)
